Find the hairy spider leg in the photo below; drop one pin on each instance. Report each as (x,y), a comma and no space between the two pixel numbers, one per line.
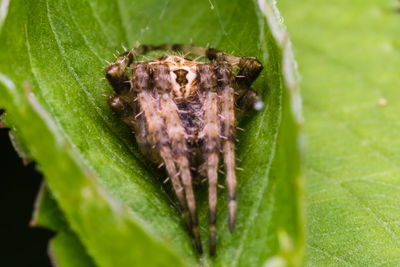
(246,97)
(120,105)
(176,132)
(246,100)
(226,79)
(249,70)
(210,133)
(159,138)
(115,73)
(121,102)
(156,129)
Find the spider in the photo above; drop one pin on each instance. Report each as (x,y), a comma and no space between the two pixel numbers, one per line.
(184,114)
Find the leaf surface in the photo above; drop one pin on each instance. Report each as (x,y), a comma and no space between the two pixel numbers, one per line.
(348,54)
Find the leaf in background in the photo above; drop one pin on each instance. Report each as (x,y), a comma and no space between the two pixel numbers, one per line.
(349,54)
(51,63)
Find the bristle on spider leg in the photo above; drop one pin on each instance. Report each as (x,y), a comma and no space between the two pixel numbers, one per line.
(139,114)
(197,58)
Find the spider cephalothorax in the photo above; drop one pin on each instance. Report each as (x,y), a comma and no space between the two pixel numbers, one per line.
(184,114)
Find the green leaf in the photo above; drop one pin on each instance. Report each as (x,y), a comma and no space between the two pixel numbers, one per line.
(47,214)
(51,68)
(65,249)
(349,58)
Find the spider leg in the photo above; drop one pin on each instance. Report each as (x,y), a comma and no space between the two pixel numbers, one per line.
(156,130)
(210,134)
(120,105)
(249,70)
(211,131)
(176,132)
(247,99)
(115,73)
(155,125)
(142,135)
(226,80)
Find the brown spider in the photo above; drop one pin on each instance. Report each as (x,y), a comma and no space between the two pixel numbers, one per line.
(183,114)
